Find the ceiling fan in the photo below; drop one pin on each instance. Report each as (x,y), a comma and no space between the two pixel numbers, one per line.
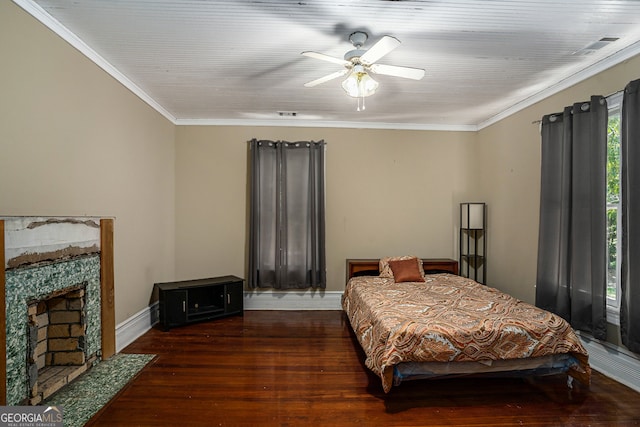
(358,63)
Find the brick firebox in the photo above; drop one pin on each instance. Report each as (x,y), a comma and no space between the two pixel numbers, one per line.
(56,352)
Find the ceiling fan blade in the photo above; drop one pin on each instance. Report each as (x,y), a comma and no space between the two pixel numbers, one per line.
(385,45)
(392,70)
(324,57)
(326,78)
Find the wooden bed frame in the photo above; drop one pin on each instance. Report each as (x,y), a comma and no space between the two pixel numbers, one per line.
(447,265)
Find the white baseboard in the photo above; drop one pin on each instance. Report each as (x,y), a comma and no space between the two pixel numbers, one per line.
(615,362)
(292,300)
(135,326)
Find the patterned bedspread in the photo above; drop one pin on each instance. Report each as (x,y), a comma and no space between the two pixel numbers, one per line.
(450,318)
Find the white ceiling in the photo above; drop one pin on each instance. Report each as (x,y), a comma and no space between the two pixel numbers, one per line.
(239,62)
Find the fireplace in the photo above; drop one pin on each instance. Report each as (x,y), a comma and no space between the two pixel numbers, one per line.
(57,313)
(56,350)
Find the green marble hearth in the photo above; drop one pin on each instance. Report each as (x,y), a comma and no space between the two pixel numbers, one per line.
(86,395)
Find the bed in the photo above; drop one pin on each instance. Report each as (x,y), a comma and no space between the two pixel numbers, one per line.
(435,324)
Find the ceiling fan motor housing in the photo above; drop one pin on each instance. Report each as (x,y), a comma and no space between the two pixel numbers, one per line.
(354,55)
(357,38)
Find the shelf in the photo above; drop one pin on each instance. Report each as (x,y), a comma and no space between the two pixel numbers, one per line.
(474,261)
(204,312)
(473,241)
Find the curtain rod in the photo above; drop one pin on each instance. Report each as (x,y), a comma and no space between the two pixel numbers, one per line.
(535,122)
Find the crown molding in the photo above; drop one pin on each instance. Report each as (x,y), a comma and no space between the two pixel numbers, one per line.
(605,64)
(324,124)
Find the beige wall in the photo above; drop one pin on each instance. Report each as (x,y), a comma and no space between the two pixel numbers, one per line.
(388,193)
(509,152)
(73,141)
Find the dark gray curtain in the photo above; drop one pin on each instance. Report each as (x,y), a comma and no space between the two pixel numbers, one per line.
(571,278)
(286,215)
(630,267)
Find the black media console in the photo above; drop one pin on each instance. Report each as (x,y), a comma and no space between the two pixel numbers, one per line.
(191,301)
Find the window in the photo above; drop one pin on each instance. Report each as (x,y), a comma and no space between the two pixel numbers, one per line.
(613,207)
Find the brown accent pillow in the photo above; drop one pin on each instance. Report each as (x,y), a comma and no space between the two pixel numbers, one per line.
(385,270)
(406,270)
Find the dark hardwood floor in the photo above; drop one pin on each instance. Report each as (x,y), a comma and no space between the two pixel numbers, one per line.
(298,368)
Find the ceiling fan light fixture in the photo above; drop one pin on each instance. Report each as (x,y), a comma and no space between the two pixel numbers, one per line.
(359,84)
(359,62)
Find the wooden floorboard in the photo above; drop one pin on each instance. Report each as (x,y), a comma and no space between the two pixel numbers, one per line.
(291,368)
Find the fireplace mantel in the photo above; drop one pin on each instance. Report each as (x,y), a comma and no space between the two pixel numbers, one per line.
(100,255)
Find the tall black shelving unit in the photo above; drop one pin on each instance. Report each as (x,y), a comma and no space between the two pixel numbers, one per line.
(473,241)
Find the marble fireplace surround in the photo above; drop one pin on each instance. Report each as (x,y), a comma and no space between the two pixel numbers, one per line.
(31,273)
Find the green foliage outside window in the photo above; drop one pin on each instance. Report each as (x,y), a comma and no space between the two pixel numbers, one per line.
(613,159)
(613,200)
